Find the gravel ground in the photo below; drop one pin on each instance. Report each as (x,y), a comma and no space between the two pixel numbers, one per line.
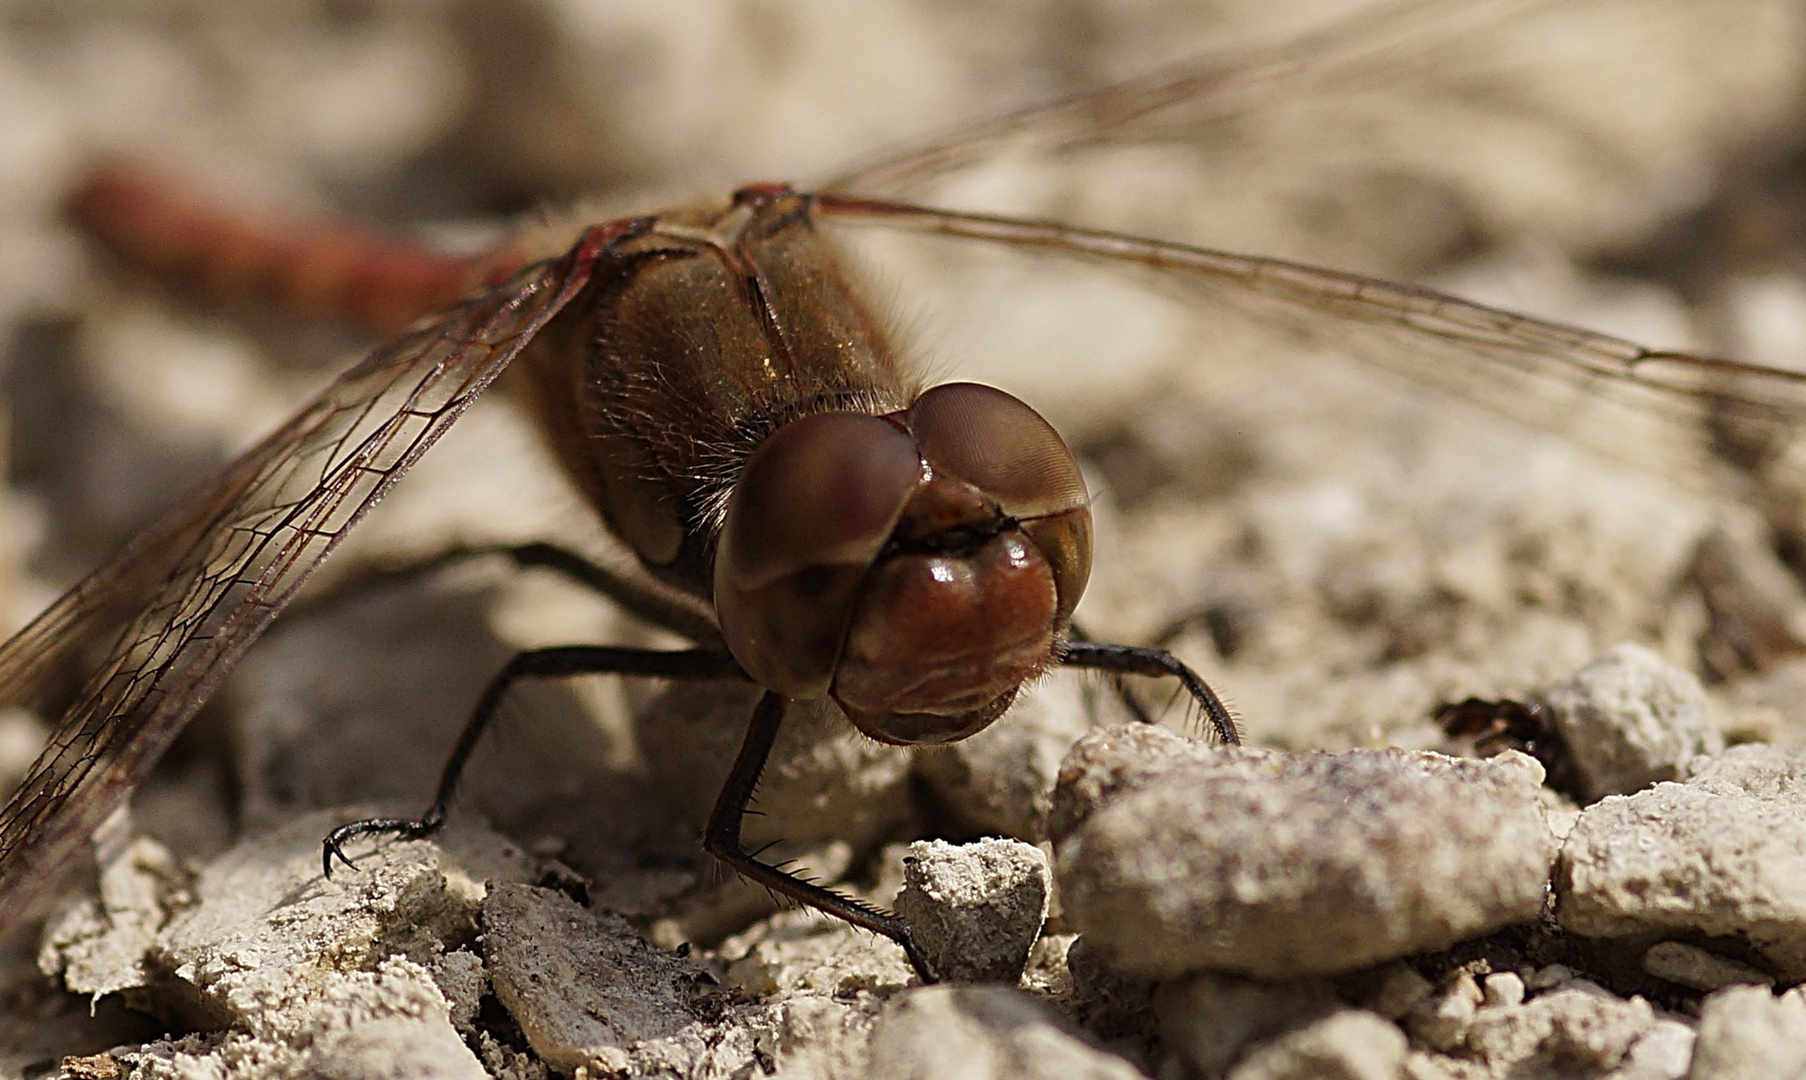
(1611,892)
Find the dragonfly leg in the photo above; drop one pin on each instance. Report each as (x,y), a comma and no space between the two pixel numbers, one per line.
(563,661)
(659,606)
(1120,689)
(639,597)
(1144,660)
(722,840)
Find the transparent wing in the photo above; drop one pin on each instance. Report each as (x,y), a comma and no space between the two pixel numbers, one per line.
(1375,41)
(1391,140)
(1598,391)
(196,591)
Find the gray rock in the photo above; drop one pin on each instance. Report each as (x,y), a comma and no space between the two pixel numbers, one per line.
(463,980)
(1176,856)
(1111,760)
(1579,1027)
(1442,1020)
(975,909)
(98,947)
(1348,1044)
(308,976)
(983,1032)
(1212,1019)
(1631,719)
(590,993)
(1723,854)
(1502,989)
(1747,1033)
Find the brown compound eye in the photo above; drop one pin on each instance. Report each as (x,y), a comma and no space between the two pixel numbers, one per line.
(998,444)
(814,506)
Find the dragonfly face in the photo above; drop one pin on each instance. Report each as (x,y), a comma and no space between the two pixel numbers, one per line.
(918,567)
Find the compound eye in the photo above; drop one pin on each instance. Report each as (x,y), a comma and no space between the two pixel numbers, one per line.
(812,509)
(999,445)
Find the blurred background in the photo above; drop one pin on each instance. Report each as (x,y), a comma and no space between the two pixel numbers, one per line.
(1336,551)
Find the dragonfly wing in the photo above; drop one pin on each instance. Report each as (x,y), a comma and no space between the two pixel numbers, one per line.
(1375,42)
(1592,389)
(196,591)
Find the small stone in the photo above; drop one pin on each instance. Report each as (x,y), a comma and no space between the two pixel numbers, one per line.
(1176,856)
(1630,719)
(1747,1033)
(1349,1044)
(1211,1019)
(1695,968)
(1049,968)
(975,909)
(590,993)
(1722,855)
(1502,990)
(1664,1052)
(1578,1026)
(980,1033)
(1442,1020)
(93,1067)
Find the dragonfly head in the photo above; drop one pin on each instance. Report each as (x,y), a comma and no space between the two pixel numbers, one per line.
(916,567)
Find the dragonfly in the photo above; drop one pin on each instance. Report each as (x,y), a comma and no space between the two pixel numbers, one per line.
(804,511)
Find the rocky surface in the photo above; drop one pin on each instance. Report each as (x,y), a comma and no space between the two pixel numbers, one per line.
(589,993)
(1217,861)
(1337,549)
(293,973)
(1719,856)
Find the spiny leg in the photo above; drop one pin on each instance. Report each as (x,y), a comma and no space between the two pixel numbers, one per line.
(558,662)
(722,840)
(1130,700)
(1143,660)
